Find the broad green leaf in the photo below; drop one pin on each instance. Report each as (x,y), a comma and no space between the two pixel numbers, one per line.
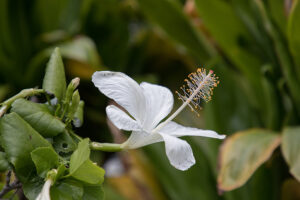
(68,189)
(89,172)
(4,164)
(293,31)
(291,148)
(24,107)
(79,156)
(93,192)
(33,187)
(82,168)
(169,16)
(39,117)
(18,139)
(55,80)
(242,153)
(45,159)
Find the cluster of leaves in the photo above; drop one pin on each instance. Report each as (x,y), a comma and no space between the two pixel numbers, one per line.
(38,143)
(253,46)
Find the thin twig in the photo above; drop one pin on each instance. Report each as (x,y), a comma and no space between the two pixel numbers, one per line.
(9,186)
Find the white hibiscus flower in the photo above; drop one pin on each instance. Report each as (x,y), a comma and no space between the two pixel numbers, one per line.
(45,193)
(148,104)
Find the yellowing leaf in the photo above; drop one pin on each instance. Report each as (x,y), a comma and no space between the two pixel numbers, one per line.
(291,148)
(242,153)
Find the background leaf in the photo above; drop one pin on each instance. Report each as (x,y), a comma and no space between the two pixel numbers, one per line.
(293,31)
(242,154)
(167,13)
(290,149)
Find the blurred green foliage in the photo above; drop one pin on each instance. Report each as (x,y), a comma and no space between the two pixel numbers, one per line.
(253,46)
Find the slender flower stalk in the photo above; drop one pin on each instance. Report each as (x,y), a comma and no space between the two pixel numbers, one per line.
(148,104)
(109,147)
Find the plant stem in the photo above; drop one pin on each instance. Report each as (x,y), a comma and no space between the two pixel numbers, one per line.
(8,187)
(109,147)
(24,93)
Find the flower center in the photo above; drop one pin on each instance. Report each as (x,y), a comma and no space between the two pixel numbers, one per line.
(199,85)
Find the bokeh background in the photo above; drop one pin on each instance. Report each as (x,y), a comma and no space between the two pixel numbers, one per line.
(252,45)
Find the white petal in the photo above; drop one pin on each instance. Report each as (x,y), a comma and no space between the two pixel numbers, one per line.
(141,138)
(121,120)
(124,90)
(45,193)
(178,130)
(179,152)
(159,102)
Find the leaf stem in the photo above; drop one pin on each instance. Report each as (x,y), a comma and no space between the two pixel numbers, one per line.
(108,147)
(24,93)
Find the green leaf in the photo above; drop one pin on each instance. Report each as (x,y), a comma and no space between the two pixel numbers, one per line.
(291,148)
(60,172)
(242,153)
(39,117)
(4,164)
(293,31)
(18,139)
(82,168)
(33,187)
(55,80)
(169,16)
(68,189)
(93,192)
(90,173)
(226,28)
(79,156)
(82,49)
(45,159)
